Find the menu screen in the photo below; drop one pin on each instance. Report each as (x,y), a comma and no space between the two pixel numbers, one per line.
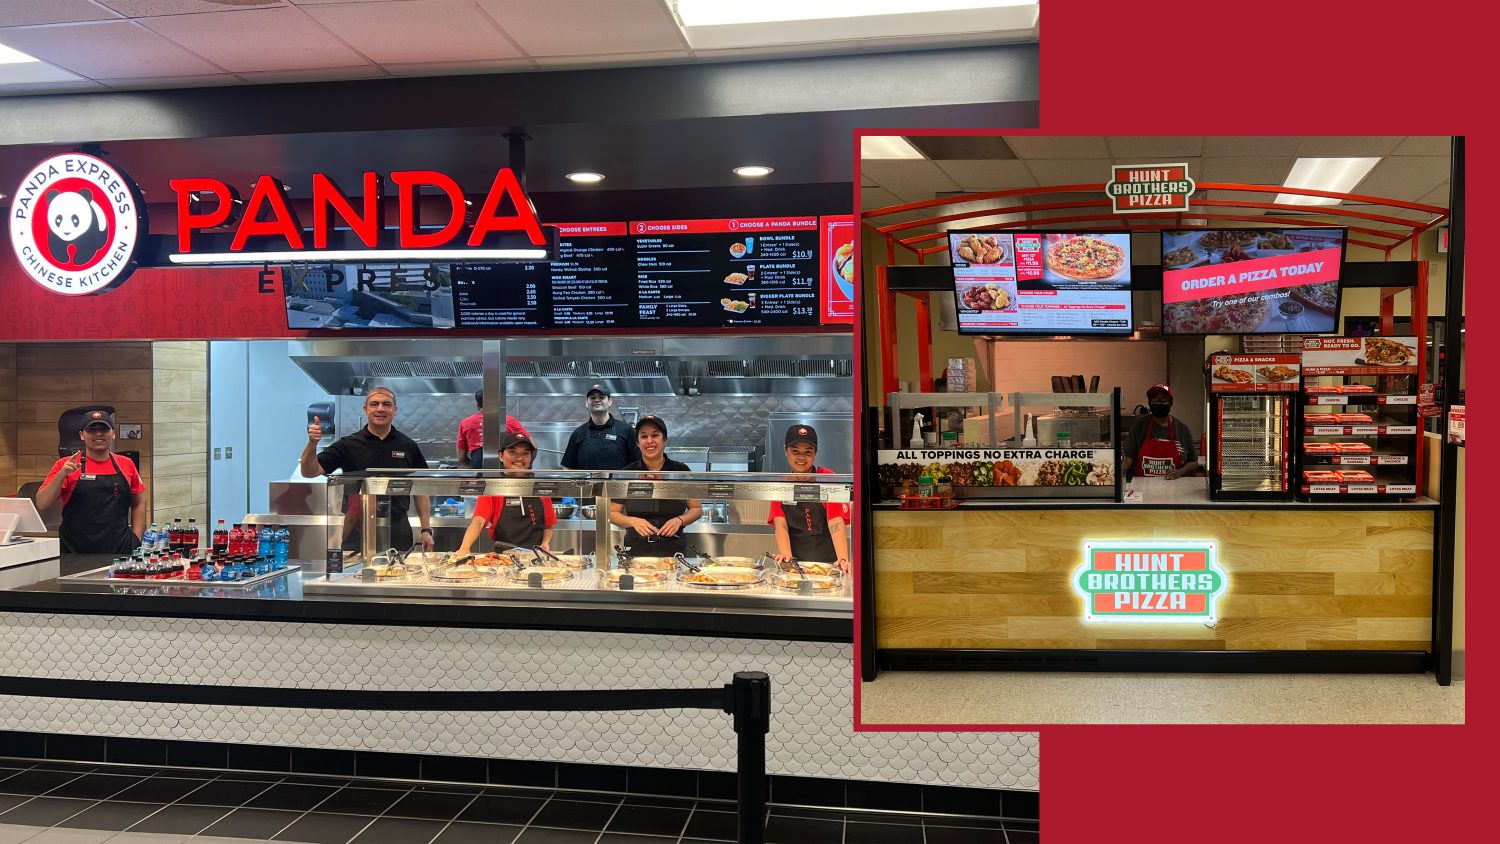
(1041,282)
(653,274)
(368,296)
(1252,281)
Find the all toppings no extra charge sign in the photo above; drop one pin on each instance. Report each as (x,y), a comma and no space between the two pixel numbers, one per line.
(75,224)
(1145,582)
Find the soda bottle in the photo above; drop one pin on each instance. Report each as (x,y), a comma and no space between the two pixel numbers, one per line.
(281,541)
(174,536)
(191,538)
(236,539)
(264,540)
(221,539)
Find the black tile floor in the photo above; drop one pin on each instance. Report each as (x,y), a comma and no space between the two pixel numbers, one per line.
(62,803)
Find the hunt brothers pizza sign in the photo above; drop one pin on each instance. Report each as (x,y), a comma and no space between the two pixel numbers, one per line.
(1148,188)
(1171,582)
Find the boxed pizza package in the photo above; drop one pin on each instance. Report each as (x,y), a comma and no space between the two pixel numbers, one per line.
(1321,419)
(1353,418)
(1321,448)
(1356,476)
(1362,389)
(1324,391)
(1354,448)
(1315,477)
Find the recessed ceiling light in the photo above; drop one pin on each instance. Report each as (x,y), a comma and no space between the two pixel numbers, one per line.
(586,177)
(1338,175)
(754,171)
(721,12)
(10,55)
(885,147)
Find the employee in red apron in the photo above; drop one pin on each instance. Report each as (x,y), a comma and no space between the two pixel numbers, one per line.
(811,533)
(512,519)
(104,500)
(1159,445)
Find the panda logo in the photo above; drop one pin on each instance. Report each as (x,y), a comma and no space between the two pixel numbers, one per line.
(74,224)
(77,227)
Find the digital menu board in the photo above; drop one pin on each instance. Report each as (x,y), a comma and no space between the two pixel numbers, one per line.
(1041,282)
(1251,281)
(723,273)
(376,297)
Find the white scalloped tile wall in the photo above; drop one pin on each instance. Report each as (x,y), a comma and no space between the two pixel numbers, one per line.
(810,736)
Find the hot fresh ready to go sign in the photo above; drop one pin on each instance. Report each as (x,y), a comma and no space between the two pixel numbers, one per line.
(1172,582)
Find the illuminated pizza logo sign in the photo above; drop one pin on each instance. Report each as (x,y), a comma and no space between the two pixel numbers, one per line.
(1170,582)
(1144,188)
(75,224)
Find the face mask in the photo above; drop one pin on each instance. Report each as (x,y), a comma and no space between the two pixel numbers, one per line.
(1161,411)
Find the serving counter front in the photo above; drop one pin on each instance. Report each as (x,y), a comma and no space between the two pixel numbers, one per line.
(1168,580)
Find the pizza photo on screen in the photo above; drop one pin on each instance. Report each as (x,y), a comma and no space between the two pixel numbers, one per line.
(1086,257)
(1252,281)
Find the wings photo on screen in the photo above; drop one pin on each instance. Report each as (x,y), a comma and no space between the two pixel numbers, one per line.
(1252,281)
(1045,283)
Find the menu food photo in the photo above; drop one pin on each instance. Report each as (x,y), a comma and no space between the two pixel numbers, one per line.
(1263,281)
(1041,282)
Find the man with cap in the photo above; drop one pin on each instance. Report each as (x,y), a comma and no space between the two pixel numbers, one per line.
(378,445)
(1159,445)
(104,500)
(809,533)
(514,520)
(471,433)
(603,442)
(653,527)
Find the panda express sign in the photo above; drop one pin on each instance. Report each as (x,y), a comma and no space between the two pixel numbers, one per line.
(78,224)
(1172,582)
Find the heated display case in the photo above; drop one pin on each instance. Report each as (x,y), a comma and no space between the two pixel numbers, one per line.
(1360,419)
(1252,436)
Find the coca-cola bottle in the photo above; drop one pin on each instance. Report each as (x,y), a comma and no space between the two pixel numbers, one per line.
(221,539)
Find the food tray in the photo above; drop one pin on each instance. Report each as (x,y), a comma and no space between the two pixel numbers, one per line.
(101,575)
(721,578)
(793,582)
(550,575)
(814,568)
(735,562)
(577,562)
(652,563)
(610,578)
(917,502)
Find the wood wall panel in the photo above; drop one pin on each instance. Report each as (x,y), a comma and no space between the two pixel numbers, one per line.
(1298,579)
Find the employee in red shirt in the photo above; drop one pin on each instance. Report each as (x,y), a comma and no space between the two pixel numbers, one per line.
(104,500)
(526,522)
(814,533)
(471,434)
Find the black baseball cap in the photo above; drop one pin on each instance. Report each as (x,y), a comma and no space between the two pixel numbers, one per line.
(597,388)
(97,417)
(479,397)
(660,423)
(517,439)
(802,434)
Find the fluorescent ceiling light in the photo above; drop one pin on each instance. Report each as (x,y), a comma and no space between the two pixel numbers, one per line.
(754,171)
(10,55)
(722,12)
(885,147)
(355,255)
(585,177)
(1338,175)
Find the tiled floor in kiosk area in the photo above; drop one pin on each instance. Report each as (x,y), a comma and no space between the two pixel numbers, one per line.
(62,803)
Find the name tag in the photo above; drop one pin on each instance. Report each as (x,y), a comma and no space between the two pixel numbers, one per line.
(611,437)
(514,502)
(88,477)
(398,454)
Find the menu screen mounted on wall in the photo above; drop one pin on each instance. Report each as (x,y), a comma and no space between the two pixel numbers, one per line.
(1045,283)
(725,273)
(1251,281)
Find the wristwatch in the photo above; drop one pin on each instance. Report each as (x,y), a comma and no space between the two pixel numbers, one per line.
(425,530)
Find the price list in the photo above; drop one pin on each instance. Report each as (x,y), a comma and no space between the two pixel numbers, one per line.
(586,289)
(502,295)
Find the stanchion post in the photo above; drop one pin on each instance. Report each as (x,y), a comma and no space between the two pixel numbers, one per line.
(750,699)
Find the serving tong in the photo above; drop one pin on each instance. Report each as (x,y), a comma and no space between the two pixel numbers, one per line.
(711,560)
(683,561)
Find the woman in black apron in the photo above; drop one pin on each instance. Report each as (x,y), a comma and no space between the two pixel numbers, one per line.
(812,533)
(653,526)
(514,520)
(100,509)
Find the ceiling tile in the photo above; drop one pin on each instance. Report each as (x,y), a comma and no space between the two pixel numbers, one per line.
(171,82)
(1070,172)
(1037,146)
(322,74)
(1346,147)
(1425,145)
(1438,196)
(962,147)
(1264,146)
(459,68)
(148,8)
(28,12)
(1406,177)
(1163,150)
(614,59)
(417,31)
(988,175)
(872,198)
(72,86)
(277,39)
(911,180)
(1245,171)
(108,50)
(12,76)
(587,27)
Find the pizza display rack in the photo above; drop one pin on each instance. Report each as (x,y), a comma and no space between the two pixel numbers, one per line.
(1360,434)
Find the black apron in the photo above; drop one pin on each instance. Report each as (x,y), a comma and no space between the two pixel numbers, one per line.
(96,519)
(807,528)
(521,522)
(476,458)
(601,448)
(395,509)
(658,512)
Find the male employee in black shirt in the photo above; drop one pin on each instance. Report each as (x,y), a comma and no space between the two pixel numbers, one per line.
(603,442)
(377,445)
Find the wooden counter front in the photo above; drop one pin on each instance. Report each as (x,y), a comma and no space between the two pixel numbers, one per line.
(1299,579)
